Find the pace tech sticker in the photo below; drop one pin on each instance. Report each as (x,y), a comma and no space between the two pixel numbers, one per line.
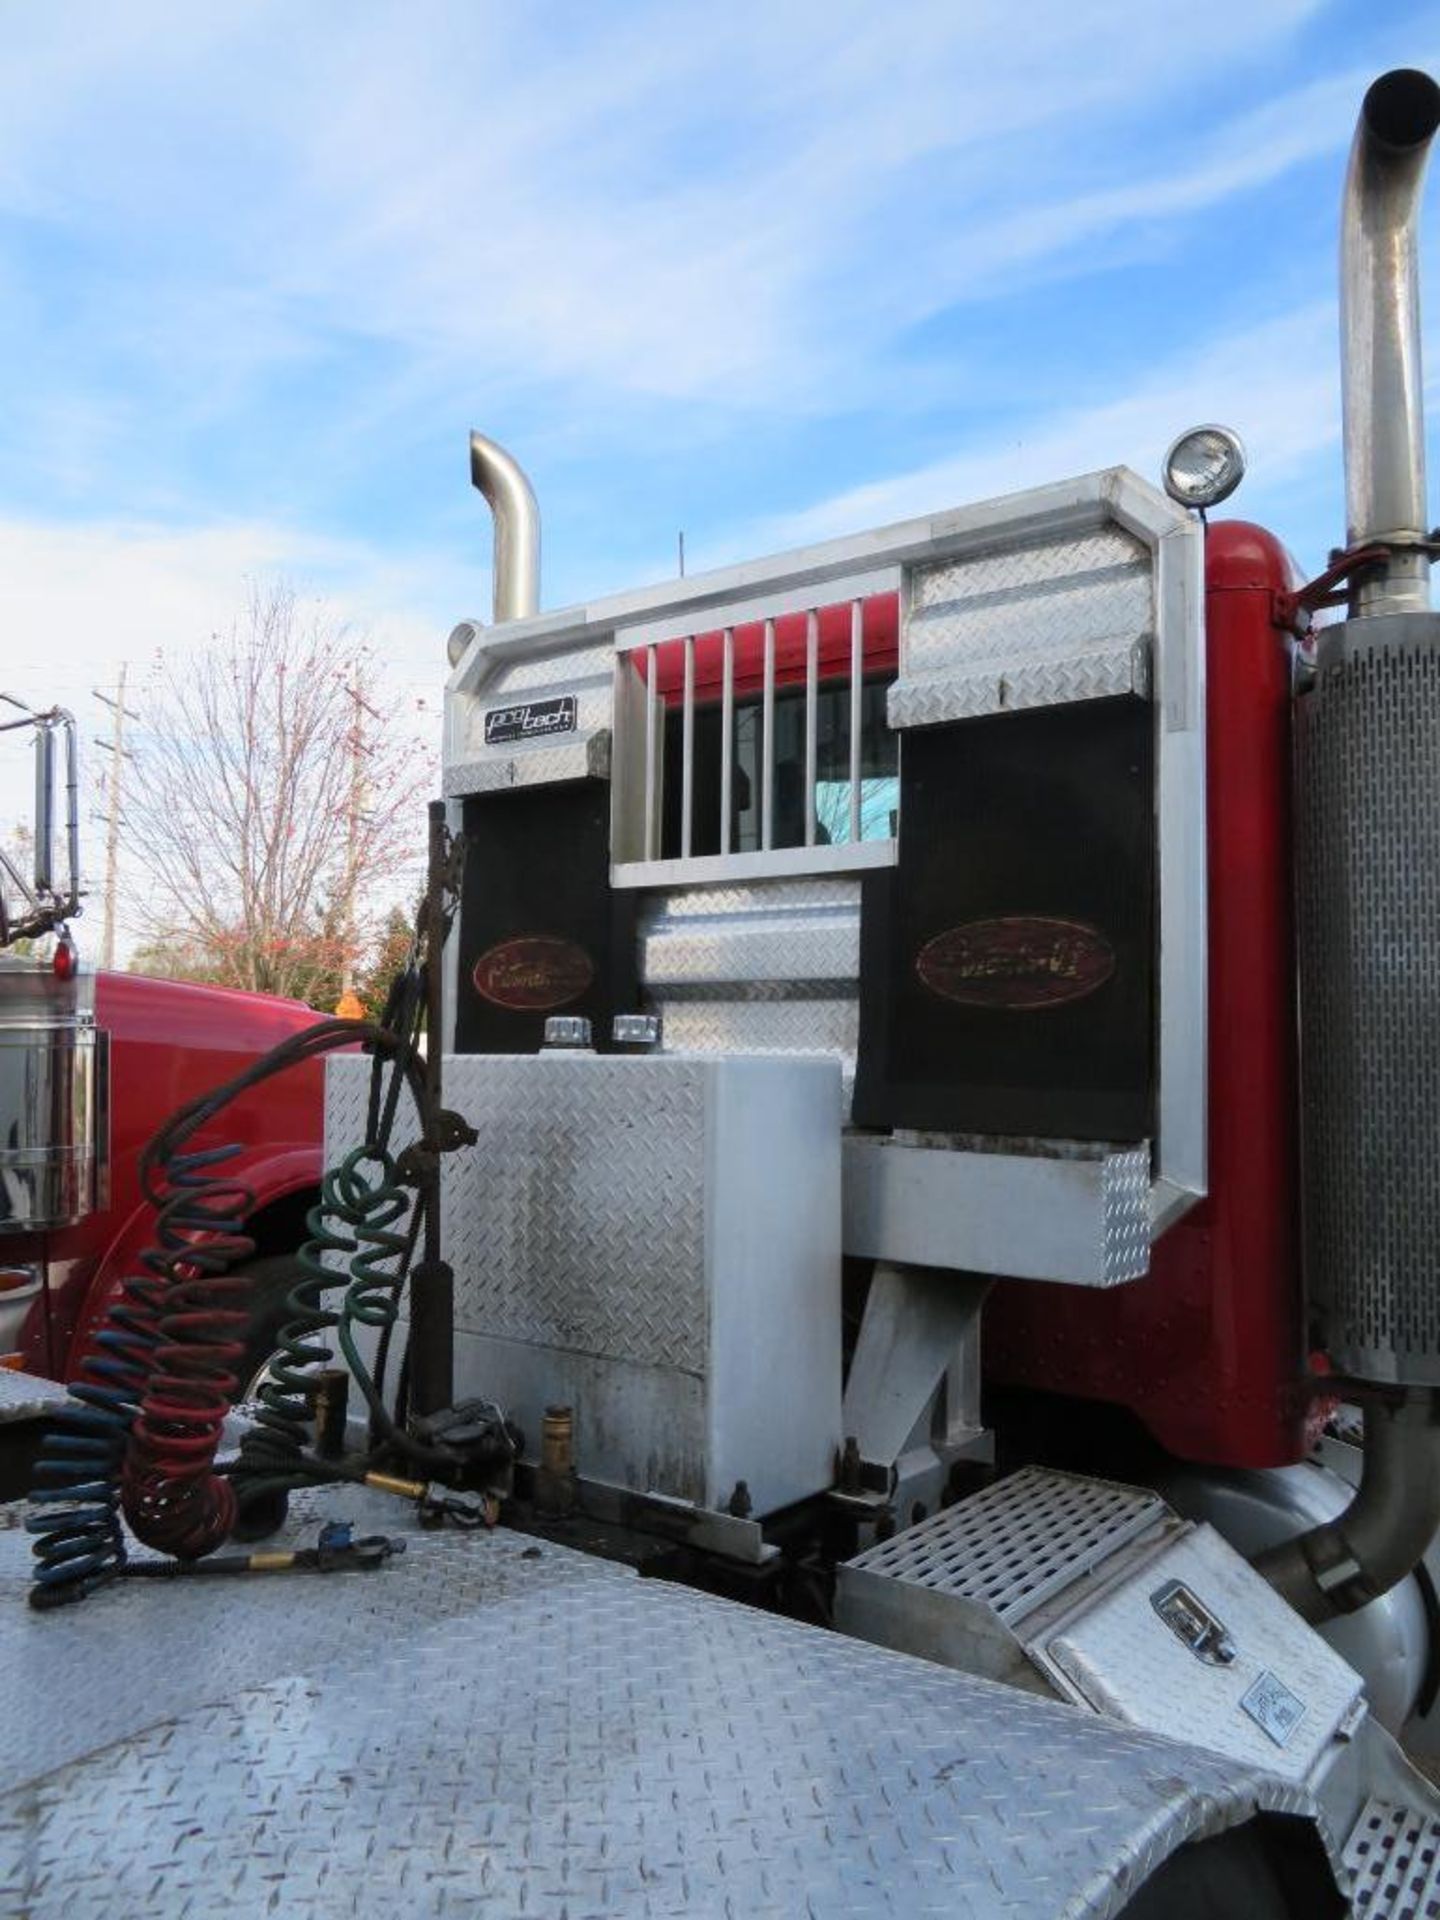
(531,720)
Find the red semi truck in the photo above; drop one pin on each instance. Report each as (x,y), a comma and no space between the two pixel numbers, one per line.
(90,1064)
(940,1056)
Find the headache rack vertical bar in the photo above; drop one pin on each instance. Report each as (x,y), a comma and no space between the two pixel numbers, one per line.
(812,703)
(727,734)
(687,749)
(767,790)
(857,688)
(651,728)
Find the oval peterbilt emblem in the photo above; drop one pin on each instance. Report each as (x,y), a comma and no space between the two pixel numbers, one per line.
(1015,963)
(533,974)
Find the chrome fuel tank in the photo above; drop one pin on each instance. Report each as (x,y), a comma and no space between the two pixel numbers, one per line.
(54,1134)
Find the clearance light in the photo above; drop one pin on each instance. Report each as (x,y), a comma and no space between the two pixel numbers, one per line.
(1204,466)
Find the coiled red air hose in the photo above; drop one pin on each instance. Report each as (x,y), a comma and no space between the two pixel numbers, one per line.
(171,1496)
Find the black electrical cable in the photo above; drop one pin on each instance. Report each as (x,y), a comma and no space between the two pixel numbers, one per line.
(76,1500)
(354,1212)
(402,1015)
(326,1036)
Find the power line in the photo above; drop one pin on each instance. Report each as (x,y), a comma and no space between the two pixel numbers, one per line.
(119,754)
(354,817)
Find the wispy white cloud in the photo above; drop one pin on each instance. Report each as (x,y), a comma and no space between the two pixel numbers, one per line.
(270,253)
(75,598)
(735,209)
(1276,383)
(738,212)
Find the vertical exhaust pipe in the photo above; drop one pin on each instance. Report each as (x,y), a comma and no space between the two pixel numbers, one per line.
(1367,897)
(516,514)
(1380,338)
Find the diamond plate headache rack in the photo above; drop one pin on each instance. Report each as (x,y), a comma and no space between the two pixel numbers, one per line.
(1077,590)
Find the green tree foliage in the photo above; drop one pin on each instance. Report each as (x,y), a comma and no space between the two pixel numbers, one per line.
(387,956)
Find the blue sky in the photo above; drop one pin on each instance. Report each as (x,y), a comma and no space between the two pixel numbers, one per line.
(764,272)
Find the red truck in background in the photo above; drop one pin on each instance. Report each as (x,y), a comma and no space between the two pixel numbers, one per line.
(90,1065)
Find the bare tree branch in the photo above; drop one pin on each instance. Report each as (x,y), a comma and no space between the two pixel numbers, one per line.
(274,807)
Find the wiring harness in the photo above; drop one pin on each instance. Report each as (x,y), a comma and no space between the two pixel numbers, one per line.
(141,1428)
(142,1425)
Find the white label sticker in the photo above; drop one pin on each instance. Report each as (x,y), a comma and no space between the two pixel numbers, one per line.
(531,720)
(1274,1708)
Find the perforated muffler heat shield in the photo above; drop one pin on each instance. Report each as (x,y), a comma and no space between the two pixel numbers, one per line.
(1368,884)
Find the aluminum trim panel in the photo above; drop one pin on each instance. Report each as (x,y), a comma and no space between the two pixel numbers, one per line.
(769,945)
(778,863)
(1083,1219)
(769,603)
(739,902)
(1097,674)
(580,1741)
(783,932)
(587,666)
(578,1220)
(766,968)
(1115,1654)
(1079,577)
(584,756)
(1079,506)
(697,1020)
(584,670)
(1039,624)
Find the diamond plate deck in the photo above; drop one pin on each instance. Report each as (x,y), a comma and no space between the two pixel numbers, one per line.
(23,1396)
(80,1678)
(569,1741)
(1393,1854)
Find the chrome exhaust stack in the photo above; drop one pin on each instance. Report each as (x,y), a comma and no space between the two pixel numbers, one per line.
(1367,898)
(516,514)
(1380,340)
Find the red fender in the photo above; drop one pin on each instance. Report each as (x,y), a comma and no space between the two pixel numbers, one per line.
(271,1176)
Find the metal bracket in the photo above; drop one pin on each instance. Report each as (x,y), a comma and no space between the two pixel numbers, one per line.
(920,1325)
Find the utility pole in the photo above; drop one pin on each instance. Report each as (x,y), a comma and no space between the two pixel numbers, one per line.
(354,817)
(119,754)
